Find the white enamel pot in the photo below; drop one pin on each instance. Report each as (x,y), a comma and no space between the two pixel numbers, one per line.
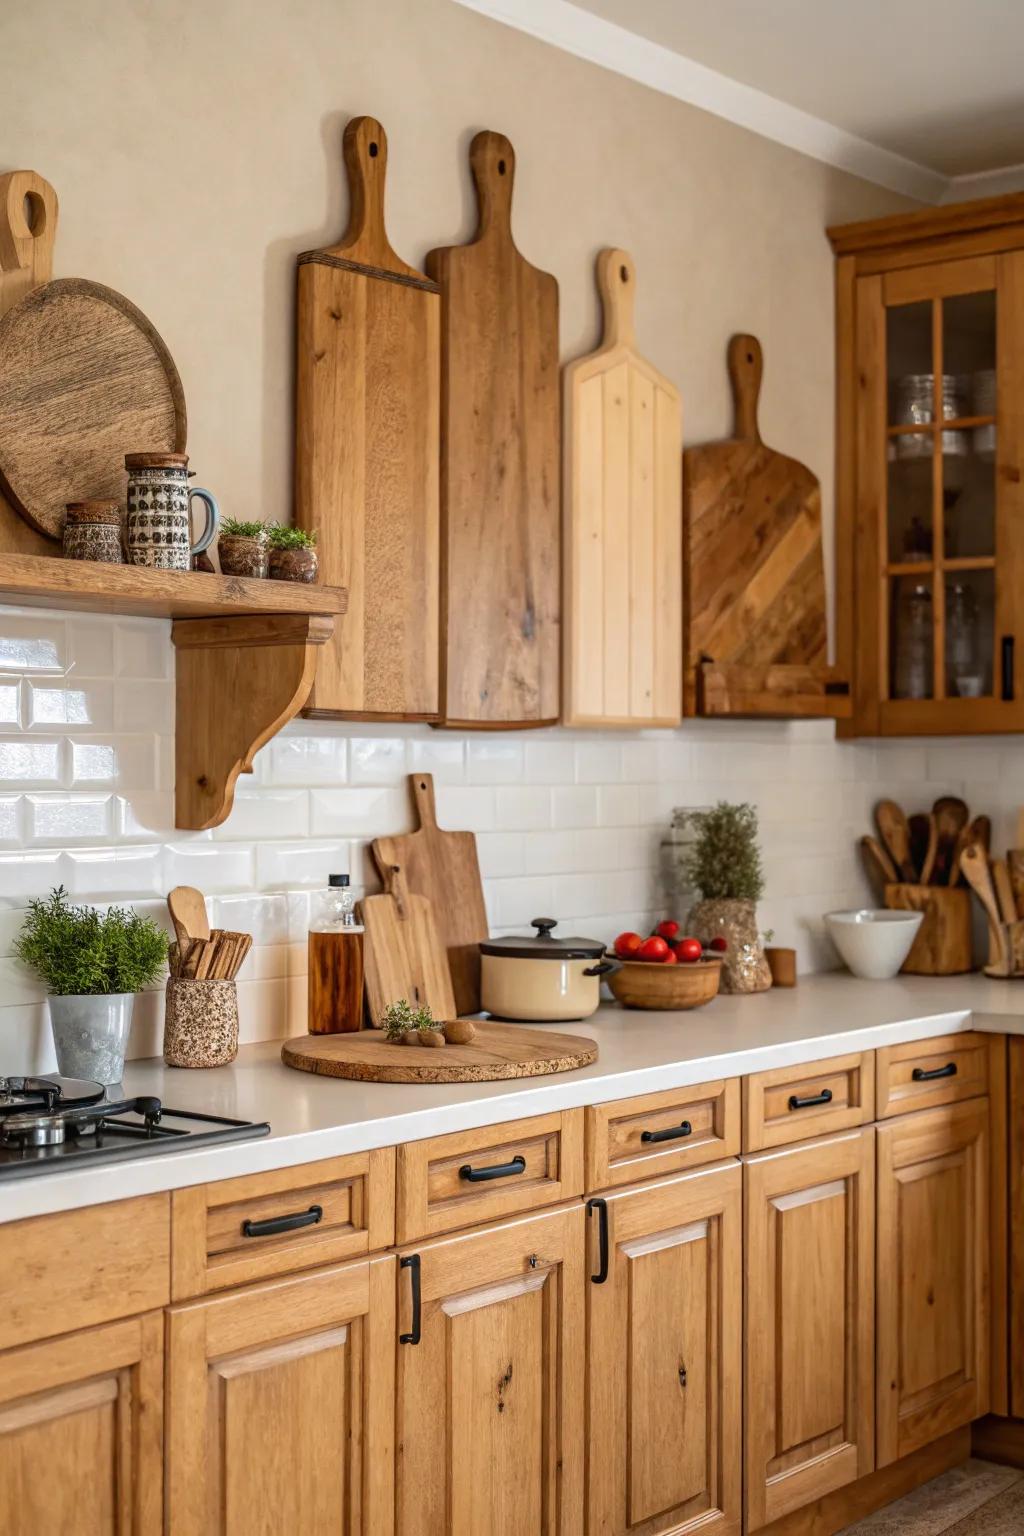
(539,979)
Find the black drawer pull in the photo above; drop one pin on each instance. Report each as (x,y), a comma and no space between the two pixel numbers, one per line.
(498,1171)
(411,1262)
(277,1224)
(601,1207)
(1006,657)
(672,1133)
(812,1099)
(921,1076)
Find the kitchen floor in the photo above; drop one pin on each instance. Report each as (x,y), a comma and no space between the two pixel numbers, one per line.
(976,1499)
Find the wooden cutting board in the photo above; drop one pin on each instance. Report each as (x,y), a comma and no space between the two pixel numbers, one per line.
(498,1051)
(403,953)
(367,445)
(754,581)
(84,376)
(443,867)
(500,466)
(622,559)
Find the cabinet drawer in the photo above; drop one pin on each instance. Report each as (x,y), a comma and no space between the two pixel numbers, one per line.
(927,1073)
(812,1099)
(264,1224)
(455,1181)
(645,1137)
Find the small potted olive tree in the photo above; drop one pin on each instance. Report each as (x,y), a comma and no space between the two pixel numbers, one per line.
(724,865)
(243,548)
(92,964)
(293,555)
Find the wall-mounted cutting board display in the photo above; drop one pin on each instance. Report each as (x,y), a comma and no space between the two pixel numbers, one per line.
(443,867)
(500,466)
(622,548)
(497,1051)
(84,376)
(754,582)
(367,446)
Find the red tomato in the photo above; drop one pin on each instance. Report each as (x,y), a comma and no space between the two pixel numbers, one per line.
(719,944)
(689,950)
(652,949)
(627,944)
(668,929)
(669,957)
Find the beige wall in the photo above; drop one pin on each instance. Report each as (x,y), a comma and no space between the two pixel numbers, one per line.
(196,148)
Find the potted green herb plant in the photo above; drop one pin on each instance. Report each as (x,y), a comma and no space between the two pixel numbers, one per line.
(724,865)
(92,964)
(293,555)
(243,548)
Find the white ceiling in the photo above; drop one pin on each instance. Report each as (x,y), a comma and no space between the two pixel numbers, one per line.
(911,93)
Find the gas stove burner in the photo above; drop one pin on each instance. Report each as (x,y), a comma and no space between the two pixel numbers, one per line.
(22,1094)
(39,1125)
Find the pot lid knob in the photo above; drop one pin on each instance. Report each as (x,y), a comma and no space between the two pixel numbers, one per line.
(544,926)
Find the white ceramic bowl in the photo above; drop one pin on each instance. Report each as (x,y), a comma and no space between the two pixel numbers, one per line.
(873,942)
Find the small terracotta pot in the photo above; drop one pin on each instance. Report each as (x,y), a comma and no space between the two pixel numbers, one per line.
(294,564)
(243,554)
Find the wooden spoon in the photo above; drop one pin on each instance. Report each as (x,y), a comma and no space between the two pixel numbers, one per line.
(974,864)
(187,907)
(880,868)
(951,816)
(920,831)
(928,862)
(894,831)
(1004,891)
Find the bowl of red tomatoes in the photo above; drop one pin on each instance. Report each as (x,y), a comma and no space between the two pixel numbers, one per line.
(667,969)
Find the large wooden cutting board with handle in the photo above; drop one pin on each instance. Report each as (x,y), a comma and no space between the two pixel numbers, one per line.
(84,376)
(622,509)
(500,466)
(367,448)
(754,591)
(497,1051)
(403,952)
(443,867)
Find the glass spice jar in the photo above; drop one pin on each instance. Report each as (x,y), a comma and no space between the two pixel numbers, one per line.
(913,664)
(92,531)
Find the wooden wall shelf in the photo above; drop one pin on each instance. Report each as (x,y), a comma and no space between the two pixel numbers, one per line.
(246,657)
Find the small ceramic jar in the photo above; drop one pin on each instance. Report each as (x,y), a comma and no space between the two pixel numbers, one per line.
(293,564)
(243,554)
(159,512)
(92,531)
(200,1023)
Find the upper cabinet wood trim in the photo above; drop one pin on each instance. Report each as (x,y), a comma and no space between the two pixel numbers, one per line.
(903,229)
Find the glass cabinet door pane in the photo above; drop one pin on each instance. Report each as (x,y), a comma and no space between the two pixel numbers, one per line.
(969,630)
(909,520)
(908,350)
(969,495)
(911,644)
(969,347)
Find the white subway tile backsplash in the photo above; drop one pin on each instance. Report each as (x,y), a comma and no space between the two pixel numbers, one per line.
(618,805)
(213,867)
(549,760)
(523,807)
(144,704)
(439,754)
(32,643)
(305,863)
(355,811)
(91,645)
(79,705)
(119,873)
(466,807)
(500,854)
(11,828)
(142,650)
(28,873)
(30,762)
(574,806)
(10,703)
(265,813)
(312,759)
(598,762)
(65,818)
(494,760)
(377,760)
(124,762)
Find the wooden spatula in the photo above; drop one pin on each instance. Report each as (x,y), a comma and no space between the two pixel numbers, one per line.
(951,817)
(880,868)
(187,907)
(974,864)
(931,852)
(894,831)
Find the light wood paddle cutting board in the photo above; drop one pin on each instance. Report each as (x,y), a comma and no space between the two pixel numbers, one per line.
(500,466)
(622,507)
(403,954)
(498,1051)
(367,449)
(443,867)
(754,580)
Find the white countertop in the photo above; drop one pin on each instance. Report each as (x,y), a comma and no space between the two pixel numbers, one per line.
(315,1117)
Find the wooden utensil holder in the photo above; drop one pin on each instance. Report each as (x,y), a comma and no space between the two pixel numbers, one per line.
(1012,961)
(200,1023)
(942,946)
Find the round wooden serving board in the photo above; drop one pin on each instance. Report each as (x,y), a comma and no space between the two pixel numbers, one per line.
(499,1050)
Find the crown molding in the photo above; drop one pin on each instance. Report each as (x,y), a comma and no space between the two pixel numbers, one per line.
(601,42)
(962,189)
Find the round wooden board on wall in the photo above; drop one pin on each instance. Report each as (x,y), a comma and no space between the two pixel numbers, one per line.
(497,1051)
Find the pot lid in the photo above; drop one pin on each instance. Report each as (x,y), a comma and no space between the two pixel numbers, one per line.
(543,945)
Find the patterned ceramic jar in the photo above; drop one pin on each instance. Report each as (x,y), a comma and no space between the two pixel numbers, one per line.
(92,531)
(159,512)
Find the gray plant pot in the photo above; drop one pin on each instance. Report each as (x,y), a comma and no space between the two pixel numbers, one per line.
(90,1034)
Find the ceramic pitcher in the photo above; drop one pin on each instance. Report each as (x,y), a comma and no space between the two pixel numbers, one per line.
(159,529)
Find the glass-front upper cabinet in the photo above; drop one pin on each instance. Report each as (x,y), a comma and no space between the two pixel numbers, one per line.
(930,506)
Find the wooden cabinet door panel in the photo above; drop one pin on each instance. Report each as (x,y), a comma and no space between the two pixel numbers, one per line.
(663,1360)
(281,1413)
(490,1400)
(933,1313)
(80,1432)
(809,1222)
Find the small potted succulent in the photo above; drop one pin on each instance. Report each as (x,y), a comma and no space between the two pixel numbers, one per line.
(92,964)
(243,548)
(724,865)
(293,555)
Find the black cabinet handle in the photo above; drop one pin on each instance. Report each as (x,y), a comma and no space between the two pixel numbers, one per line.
(497,1171)
(921,1076)
(277,1224)
(1007,649)
(672,1133)
(601,1207)
(812,1099)
(411,1262)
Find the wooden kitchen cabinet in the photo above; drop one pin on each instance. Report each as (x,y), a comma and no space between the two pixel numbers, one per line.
(929,487)
(489,1410)
(810,1297)
(280,1406)
(80,1432)
(664,1342)
(933,1275)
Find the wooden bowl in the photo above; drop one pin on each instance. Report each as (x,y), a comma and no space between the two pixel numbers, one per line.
(646,984)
